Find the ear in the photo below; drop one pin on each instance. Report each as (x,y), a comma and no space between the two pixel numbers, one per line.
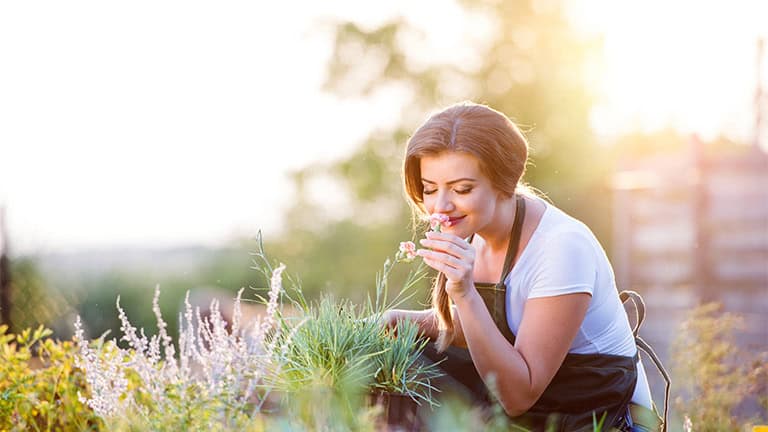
(503,196)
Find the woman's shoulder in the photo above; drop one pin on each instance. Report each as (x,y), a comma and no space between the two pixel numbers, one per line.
(559,225)
(560,239)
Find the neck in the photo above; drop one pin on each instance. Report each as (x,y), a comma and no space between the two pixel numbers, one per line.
(496,234)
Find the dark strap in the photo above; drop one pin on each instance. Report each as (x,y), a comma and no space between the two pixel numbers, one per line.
(514,241)
(639,308)
(639,304)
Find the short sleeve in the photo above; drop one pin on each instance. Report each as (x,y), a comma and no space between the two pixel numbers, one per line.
(566,264)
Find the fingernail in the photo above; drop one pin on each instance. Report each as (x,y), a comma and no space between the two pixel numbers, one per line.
(422,241)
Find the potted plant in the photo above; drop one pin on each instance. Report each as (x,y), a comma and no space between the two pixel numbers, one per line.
(402,381)
(337,360)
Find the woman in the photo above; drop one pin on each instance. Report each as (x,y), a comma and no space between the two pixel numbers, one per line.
(527,289)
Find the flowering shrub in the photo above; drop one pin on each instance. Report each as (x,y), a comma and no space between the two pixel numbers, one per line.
(214,382)
(39,384)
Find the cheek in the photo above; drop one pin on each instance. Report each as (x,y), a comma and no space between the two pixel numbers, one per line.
(428,202)
(475,204)
(479,207)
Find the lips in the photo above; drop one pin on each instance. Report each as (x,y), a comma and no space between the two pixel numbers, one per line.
(454,220)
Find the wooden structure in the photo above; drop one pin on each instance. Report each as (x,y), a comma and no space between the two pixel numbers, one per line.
(696,218)
(693,219)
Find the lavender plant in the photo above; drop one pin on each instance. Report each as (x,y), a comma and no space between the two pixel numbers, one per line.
(214,382)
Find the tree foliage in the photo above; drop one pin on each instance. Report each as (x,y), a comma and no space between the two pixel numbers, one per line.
(534,68)
(32,300)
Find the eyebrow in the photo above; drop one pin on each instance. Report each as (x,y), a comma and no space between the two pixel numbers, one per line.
(450,182)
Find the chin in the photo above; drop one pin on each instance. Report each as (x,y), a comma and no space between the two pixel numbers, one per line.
(458,232)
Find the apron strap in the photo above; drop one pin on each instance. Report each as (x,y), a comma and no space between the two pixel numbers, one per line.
(639,307)
(639,304)
(514,241)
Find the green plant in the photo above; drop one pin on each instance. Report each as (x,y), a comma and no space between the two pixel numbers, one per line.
(335,354)
(714,373)
(339,348)
(399,368)
(39,384)
(332,345)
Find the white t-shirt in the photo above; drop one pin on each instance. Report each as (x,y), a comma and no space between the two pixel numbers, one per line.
(564,257)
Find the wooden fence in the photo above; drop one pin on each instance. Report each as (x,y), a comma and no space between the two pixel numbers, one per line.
(700,221)
(693,227)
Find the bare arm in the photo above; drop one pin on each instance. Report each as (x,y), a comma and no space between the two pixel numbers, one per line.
(549,325)
(522,372)
(427,322)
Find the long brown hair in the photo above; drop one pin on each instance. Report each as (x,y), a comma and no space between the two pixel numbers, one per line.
(482,132)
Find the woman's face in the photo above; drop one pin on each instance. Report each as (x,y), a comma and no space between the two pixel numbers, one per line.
(455,186)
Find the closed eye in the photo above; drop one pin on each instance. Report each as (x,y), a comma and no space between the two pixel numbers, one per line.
(458,191)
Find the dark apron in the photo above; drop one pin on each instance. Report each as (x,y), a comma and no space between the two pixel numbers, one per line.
(585,383)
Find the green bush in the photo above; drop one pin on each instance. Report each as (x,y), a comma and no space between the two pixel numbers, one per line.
(40,385)
(713,373)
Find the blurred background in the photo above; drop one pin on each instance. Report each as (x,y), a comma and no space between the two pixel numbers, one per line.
(147,143)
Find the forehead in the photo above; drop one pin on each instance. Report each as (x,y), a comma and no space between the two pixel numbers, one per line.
(447,166)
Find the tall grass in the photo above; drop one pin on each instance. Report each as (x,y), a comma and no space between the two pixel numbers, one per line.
(341,351)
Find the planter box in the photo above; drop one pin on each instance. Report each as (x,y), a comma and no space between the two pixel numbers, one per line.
(399,412)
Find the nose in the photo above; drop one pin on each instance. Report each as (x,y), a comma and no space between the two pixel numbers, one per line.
(443,203)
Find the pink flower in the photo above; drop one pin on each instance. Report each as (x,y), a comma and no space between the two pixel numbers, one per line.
(438,221)
(408,249)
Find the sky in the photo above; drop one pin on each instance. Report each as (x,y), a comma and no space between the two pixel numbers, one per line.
(165,123)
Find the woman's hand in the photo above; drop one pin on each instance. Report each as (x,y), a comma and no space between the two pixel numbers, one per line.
(425,319)
(386,319)
(389,318)
(452,256)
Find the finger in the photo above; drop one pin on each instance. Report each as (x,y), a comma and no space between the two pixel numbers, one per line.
(448,237)
(447,247)
(448,260)
(449,272)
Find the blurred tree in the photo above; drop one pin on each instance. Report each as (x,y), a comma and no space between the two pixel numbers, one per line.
(5,291)
(34,301)
(5,275)
(534,68)
(218,273)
